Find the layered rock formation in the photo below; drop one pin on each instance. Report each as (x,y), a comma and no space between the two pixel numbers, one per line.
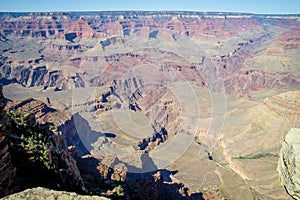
(33,152)
(289,163)
(108,34)
(8,170)
(286,103)
(70,26)
(134,62)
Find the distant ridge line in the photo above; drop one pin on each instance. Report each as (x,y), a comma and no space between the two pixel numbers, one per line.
(141,12)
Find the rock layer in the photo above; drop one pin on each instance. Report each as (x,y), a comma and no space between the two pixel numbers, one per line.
(7,169)
(92,40)
(32,152)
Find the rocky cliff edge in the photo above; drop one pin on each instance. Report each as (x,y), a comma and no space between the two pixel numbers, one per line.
(289,163)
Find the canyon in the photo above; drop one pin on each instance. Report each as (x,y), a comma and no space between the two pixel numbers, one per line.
(193,104)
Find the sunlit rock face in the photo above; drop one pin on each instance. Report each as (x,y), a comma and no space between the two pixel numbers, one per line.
(289,162)
(67,47)
(44,193)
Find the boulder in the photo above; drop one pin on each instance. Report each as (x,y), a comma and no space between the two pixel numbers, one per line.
(289,163)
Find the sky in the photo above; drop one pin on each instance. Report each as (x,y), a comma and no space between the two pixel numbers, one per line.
(245,6)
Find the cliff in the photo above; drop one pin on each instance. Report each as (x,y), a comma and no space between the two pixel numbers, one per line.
(8,170)
(289,163)
(33,152)
(89,40)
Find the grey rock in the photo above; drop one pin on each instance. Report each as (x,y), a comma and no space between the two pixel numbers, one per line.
(289,163)
(44,193)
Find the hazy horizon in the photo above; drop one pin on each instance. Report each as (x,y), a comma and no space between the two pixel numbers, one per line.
(253,7)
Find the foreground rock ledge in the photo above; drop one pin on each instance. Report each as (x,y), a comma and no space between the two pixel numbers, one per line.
(43,193)
(289,163)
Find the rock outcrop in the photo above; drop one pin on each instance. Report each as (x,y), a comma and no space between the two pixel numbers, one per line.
(151,185)
(111,168)
(289,163)
(39,76)
(44,193)
(33,152)
(155,186)
(285,103)
(7,169)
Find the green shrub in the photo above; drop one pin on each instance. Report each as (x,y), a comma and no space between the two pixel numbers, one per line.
(119,190)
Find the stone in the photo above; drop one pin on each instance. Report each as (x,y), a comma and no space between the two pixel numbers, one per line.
(34,116)
(44,193)
(289,163)
(7,169)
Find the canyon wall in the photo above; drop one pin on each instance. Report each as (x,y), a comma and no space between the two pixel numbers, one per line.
(33,152)
(8,170)
(84,48)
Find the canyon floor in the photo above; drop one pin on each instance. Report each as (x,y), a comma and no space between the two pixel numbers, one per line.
(206,96)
